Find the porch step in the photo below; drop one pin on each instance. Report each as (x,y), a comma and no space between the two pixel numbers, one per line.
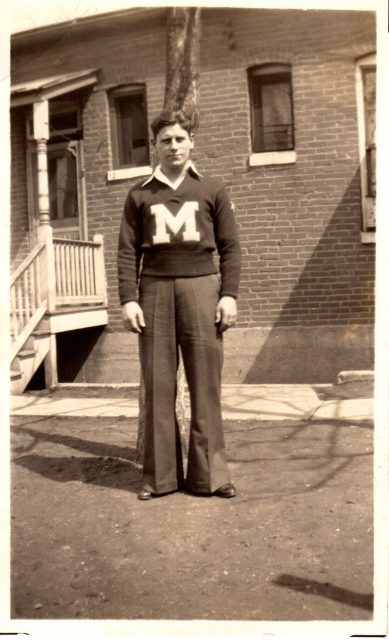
(40,332)
(37,332)
(26,353)
(28,360)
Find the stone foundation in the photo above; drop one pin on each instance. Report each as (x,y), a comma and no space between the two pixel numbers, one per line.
(282,355)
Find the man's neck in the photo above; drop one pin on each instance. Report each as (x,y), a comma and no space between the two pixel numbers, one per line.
(174,175)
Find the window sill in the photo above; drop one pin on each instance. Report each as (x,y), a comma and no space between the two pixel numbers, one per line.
(368,237)
(128,172)
(272,157)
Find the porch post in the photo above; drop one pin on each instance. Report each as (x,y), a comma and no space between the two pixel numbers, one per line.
(45,231)
(41,135)
(50,363)
(101,284)
(43,183)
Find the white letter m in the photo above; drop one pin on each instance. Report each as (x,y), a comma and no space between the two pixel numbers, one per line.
(164,219)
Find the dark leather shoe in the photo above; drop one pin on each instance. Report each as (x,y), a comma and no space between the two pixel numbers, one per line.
(226,491)
(145,494)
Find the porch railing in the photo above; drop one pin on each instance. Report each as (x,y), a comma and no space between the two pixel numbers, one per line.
(56,273)
(28,299)
(79,272)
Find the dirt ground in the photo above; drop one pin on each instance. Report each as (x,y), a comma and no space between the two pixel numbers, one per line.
(295,544)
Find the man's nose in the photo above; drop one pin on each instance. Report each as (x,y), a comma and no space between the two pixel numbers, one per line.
(173,144)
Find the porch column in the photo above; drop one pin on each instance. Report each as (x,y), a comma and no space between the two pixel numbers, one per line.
(43,183)
(45,231)
(41,135)
(50,363)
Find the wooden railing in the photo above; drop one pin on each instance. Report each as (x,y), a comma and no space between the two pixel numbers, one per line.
(79,272)
(28,299)
(57,273)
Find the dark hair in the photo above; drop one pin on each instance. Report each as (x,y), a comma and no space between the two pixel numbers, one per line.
(169,118)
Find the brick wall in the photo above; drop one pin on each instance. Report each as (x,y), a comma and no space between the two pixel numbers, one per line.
(303,262)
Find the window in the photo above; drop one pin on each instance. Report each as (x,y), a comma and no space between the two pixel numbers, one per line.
(65,169)
(369,99)
(64,121)
(66,188)
(366,103)
(129,128)
(272,126)
(63,188)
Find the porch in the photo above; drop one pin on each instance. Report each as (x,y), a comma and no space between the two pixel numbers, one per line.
(60,286)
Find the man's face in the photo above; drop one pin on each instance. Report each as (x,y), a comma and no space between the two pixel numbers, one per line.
(173,145)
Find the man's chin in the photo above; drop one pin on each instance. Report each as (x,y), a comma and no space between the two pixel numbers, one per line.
(176,165)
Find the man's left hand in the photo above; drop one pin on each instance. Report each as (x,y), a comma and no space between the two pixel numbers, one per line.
(226,313)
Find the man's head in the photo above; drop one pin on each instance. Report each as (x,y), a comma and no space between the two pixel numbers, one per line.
(173,141)
(169,118)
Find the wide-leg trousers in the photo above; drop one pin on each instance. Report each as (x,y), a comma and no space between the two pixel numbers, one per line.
(181,312)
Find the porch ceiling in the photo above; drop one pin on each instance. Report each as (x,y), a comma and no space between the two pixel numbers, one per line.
(46,88)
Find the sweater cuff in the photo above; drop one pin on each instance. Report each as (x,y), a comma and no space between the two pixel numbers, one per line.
(129,300)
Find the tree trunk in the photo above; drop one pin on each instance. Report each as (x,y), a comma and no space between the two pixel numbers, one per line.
(183,55)
(181,94)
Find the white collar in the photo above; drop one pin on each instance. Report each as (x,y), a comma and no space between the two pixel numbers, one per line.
(159,175)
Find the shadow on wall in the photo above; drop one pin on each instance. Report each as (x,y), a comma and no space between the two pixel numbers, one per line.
(325,326)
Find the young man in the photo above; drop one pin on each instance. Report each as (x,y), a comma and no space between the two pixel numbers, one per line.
(172,223)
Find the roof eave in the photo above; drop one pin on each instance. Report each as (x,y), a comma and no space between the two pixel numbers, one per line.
(61,86)
(46,31)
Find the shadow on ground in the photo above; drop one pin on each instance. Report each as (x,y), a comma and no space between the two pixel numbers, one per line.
(327,590)
(111,466)
(303,508)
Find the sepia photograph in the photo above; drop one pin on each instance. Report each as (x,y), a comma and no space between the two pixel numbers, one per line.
(194,257)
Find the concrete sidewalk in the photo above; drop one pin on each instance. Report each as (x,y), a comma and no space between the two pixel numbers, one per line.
(239,402)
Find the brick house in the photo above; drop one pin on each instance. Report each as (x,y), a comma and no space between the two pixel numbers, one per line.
(287,107)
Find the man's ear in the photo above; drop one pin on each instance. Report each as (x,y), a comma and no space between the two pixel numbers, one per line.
(191,138)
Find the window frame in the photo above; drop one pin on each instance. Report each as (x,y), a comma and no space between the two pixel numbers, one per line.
(270,71)
(367,200)
(60,108)
(120,171)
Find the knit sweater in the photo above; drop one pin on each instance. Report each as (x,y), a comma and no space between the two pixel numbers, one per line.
(174,232)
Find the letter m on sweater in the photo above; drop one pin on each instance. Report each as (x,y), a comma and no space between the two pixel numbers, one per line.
(164,220)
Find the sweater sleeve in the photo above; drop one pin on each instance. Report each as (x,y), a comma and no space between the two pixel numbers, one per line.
(129,250)
(226,235)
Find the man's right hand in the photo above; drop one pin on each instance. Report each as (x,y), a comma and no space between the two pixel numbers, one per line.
(133,316)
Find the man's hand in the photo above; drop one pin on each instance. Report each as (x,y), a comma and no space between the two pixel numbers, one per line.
(226,312)
(133,316)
